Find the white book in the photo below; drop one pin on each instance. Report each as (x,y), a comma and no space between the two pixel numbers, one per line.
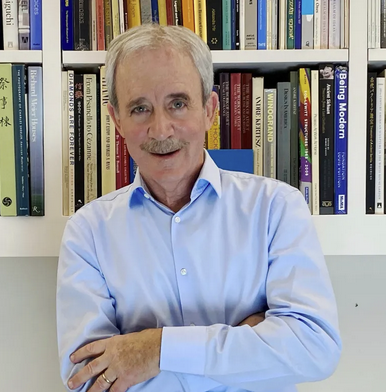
(377,22)
(250,19)
(346,24)
(369,24)
(71,143)
(94,37)
(373,27)
(115,17)
(65,144)
(380,146)
(269,24)
(324,22)
(342,26)
(317,23)
(315,141)
(274,24)
(121,17)
(242,24)
(258,124)
(270,134)
(334,25)
(10,25)
(283,24)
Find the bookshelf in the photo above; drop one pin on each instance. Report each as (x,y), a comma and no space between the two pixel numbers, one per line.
(352,234)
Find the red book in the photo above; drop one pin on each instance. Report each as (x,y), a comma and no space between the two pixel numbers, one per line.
(125,164)
(100,25)
(235,108)
(118,160)
(169,12)
(246,110)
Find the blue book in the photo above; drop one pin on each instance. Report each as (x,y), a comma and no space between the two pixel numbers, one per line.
(235,160)
(340,132)
(262,24)
(35,14)
(298,24)
(226,25)
(233,24)
(35,138)
(20,129)
(154,11)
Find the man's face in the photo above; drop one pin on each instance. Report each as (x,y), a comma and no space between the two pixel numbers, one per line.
(161,110)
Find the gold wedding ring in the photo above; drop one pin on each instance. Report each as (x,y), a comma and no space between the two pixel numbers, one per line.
(106,379)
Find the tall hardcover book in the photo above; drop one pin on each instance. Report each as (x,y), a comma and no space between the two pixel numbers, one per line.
(108,22)
(341,129)
(115,18)
(246,110)
(274,25)
(36,41)
(298,24)
(334,24)
(237,23)
(258,124)
(317,23)
(326,137)
(94,34)
(379,146)
(100,14)
(10,21)
(36,132)
(24,26)
(162,12)
(200,19)
(270,133)
(324,22)
(145,6)
(71,142)
(305,123)
(8,200)
(225,118)
(262,24)
(290,24)
(21,142)
(188,14)
(294,144)
(214,24)
(307,24)
(315,141)
(67,24)
(65,145)
(214,131)
(177,13)
(283,24)
(370,143)
(134,13)
(79,141)
(235,108)
(82,25)
(250,33)
(226,25)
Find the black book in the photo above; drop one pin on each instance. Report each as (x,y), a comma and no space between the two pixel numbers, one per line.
(82,25)
(177,13)
(237,23)
(99,147)
(214,24)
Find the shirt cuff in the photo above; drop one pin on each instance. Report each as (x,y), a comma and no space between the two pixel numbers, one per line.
(183,349)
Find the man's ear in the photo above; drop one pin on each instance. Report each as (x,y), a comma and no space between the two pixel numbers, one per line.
(210,109)
(114,115)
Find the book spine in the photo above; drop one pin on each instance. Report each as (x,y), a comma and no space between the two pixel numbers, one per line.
(274,26)
(317,23)
(134,13)
(90,138)
(24,27)
(305,175)
(118,160)
(20,137)
(379,147)
(341,129)
(65,145)
(298,24)
(326,137)
(315,141)
(108,23)
(262,24)
(200,19)
(226,25)
(8,200)
(246,110)
(145,6)
(154,11)
(294,143)
(67,25)
(324,22)
(235,105)
(283,131)
(383,23)
(36,25)
(107,139)
(36,153)
(377,23)
(242,24)
(291,24)
(225,120)
(214,24)
(346,24)
(214,131)
(94,35)
(100,24)
(169,12)
(258,123)
(79,141)
(99,137)
(125,164)
(250,13)
(283,25)
(269,133)
(122,16)
(342,21)
(269,24)
(237,23)
(162,12)
(334,25)
(10,29)
(71,142)
(116,25)
(82,30)
(233,24)
(307,24)
(177,13)
(370,143)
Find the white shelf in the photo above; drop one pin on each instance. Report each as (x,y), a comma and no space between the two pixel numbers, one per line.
(377,56)
(232,58)
(21,56)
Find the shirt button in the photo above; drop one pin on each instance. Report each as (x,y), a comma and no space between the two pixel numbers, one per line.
(177,219)
(183,271)
(192,324)
(147,196)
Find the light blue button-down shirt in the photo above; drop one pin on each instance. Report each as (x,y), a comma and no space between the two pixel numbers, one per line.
(243,244)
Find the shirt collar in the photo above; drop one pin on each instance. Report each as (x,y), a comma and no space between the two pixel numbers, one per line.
(210,174)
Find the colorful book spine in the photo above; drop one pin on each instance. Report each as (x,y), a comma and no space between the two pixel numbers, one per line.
(24,27)
(71,142)
(235,107)
(10,21)
(317,23)
(290,24)
(177,13)
(315,141)
(67,25)
(324,7)
(108,23)
(305,180)
(233,24)
(21,144)
(125,164)
(379,146)
(8,199)
(200,19)
(118,160)
(294,144)
(36,153)
(79,141)
(269,133)
(257,124)
(65,144)
(214,24)
(154,11)
(36,24)
(226,25)
(100,25)
(246,110)
(214,131)
(225,120)
(298,24)
(162,12)
(134,13)
(307,24)
(341,129)
(250,17)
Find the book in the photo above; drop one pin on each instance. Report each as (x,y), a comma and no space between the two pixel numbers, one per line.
(115,19)
(10,21)
(298,24)
(294,133)
(214,24)
(188,14)
(24,27)
(269,143)
(258,123)
(214,131)
(36,40)
(379,146)
(235,109)
(317,23)
(324,22)
(226,25)
(334,24)
(250,19)
(307,24)
(67,24)
(82,25)
(79,140)
(225,118)
(200,18)
(145,6)
(134,13)
(246,110)
(315,141)
(290,24)
(108,23)
(100,15)
(71,142)
(162,12)
(65,146)
(262,24)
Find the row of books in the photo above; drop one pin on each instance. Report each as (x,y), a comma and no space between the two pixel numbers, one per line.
(21,141)
(376,148)
(376,24)
(297,129)
(222,24)
(21,25)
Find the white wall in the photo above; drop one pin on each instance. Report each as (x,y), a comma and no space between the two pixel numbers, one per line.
(28,354)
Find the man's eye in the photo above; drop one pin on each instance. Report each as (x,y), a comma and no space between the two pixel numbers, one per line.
(140,109)
(178,104)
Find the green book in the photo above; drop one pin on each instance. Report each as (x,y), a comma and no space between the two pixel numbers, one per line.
(7,144)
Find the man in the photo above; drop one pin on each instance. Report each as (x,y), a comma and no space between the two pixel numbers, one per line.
(161,284)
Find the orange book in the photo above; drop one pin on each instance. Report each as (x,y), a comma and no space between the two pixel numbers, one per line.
(100,25)
(162,12)
(188,14)
(133,13)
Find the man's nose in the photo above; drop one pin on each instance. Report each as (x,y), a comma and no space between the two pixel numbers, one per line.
(161,126)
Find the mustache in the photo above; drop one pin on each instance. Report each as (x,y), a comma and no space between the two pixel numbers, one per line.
(163,146)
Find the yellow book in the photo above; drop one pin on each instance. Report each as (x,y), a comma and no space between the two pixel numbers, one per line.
(162,12)
(188,14)
(115,18)
(7,144)
(134,13)
(214,131)
(200,18)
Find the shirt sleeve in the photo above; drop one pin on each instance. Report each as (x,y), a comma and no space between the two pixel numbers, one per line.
(298,341)
(85,309)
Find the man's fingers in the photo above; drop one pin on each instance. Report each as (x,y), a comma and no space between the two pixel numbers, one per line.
(90,350)
(102,384)
(92,369)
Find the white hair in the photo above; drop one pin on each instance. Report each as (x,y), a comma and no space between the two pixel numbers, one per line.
(154,36)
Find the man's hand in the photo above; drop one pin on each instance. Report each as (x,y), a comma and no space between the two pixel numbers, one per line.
(254,319)
(125,360)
